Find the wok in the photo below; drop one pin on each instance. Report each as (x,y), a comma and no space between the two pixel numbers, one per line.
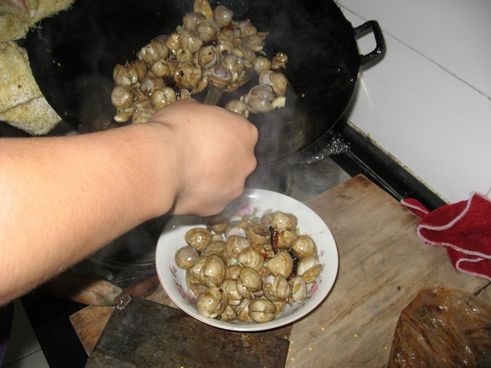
(73,54)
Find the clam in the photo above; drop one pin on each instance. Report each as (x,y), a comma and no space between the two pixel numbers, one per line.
(155,50)
(276,80)
(190,41)
(262,64)
(123,115)
(215,247)
(258,234)
(212,302)
(280,307)
(182,93)
(194,285)
(243,311)
(239,107)
(198,270)
(213,270)
(207,29)
(283,221)
(191,20)
(309,268)
(262,310)
(203,7)
(151,84)
(222,15)
(233,272)
(305,247)
(279,61)
(122,77)
(276,288)
(229,314)
(122,97)
(235,230)
(161,68)
(198,238)
(286,239)
(184,56)
(230,287)
(259,99)
(163,97)
(234,64)
(235,245)
(281,264)
(249,257)
(201,85)
(141,116)
(219,76)
(299,289)
(173,43)
(255,42)
(250,279)
(207,57)
(246,28)
(186,257)
(217,224)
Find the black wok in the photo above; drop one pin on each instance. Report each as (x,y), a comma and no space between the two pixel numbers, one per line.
(73,54)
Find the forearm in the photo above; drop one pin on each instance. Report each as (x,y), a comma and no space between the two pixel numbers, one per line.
(61,199)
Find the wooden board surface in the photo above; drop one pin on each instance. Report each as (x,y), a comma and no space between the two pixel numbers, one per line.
(383,265)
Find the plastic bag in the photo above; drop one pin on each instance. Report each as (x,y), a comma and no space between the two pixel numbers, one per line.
(443,328)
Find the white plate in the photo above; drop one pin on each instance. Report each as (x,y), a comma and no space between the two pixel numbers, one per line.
(252,201)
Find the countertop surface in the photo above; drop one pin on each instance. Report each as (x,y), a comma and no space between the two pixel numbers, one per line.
(383,266)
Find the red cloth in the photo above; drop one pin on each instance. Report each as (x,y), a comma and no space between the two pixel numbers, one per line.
(464,228)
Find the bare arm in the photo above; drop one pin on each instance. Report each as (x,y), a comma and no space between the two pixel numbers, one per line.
(63,198)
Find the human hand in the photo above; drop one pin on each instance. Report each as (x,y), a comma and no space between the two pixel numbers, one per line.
(214,151)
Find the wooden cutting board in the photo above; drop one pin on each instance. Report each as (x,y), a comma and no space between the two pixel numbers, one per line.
(383,265)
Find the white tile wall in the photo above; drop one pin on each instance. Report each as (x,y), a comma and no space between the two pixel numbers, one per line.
(426,105)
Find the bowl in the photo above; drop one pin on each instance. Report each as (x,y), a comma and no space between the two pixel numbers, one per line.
(252,202)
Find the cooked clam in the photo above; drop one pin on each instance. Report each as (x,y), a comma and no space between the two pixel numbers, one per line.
(243,311)
(283,221)
(249,257)
(122,97)
(123,115)
(250,279)
(213,270)
(198,238)
(191,20)
(163,97)
(235,245)
(212,302)
(233,272)
(222,15)
(207,57)
(230,287)
(279,61)
(309,268)
(216,247)
(258,234)
(219,76)
(259,99)
(276,288)
(194,285)
(286,239)
(276,80)
(207,29)
(173,43)
(190,41)
(187,75)
(184,56)
(281,264)
(203,7)
(142,115)
(299,289)
(186,257)
(229,314)
(239,107)
(305,247)
(262,64)
(246,28)
(262,310)
(151,84)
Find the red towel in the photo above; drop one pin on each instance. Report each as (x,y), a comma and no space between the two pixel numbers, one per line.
(464,228)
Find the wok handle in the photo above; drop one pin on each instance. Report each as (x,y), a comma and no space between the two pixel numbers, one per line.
(378,52)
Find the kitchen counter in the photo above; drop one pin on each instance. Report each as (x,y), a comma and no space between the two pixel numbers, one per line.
(383,265)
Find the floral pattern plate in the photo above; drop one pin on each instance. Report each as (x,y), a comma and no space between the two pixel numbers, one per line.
(253,201)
